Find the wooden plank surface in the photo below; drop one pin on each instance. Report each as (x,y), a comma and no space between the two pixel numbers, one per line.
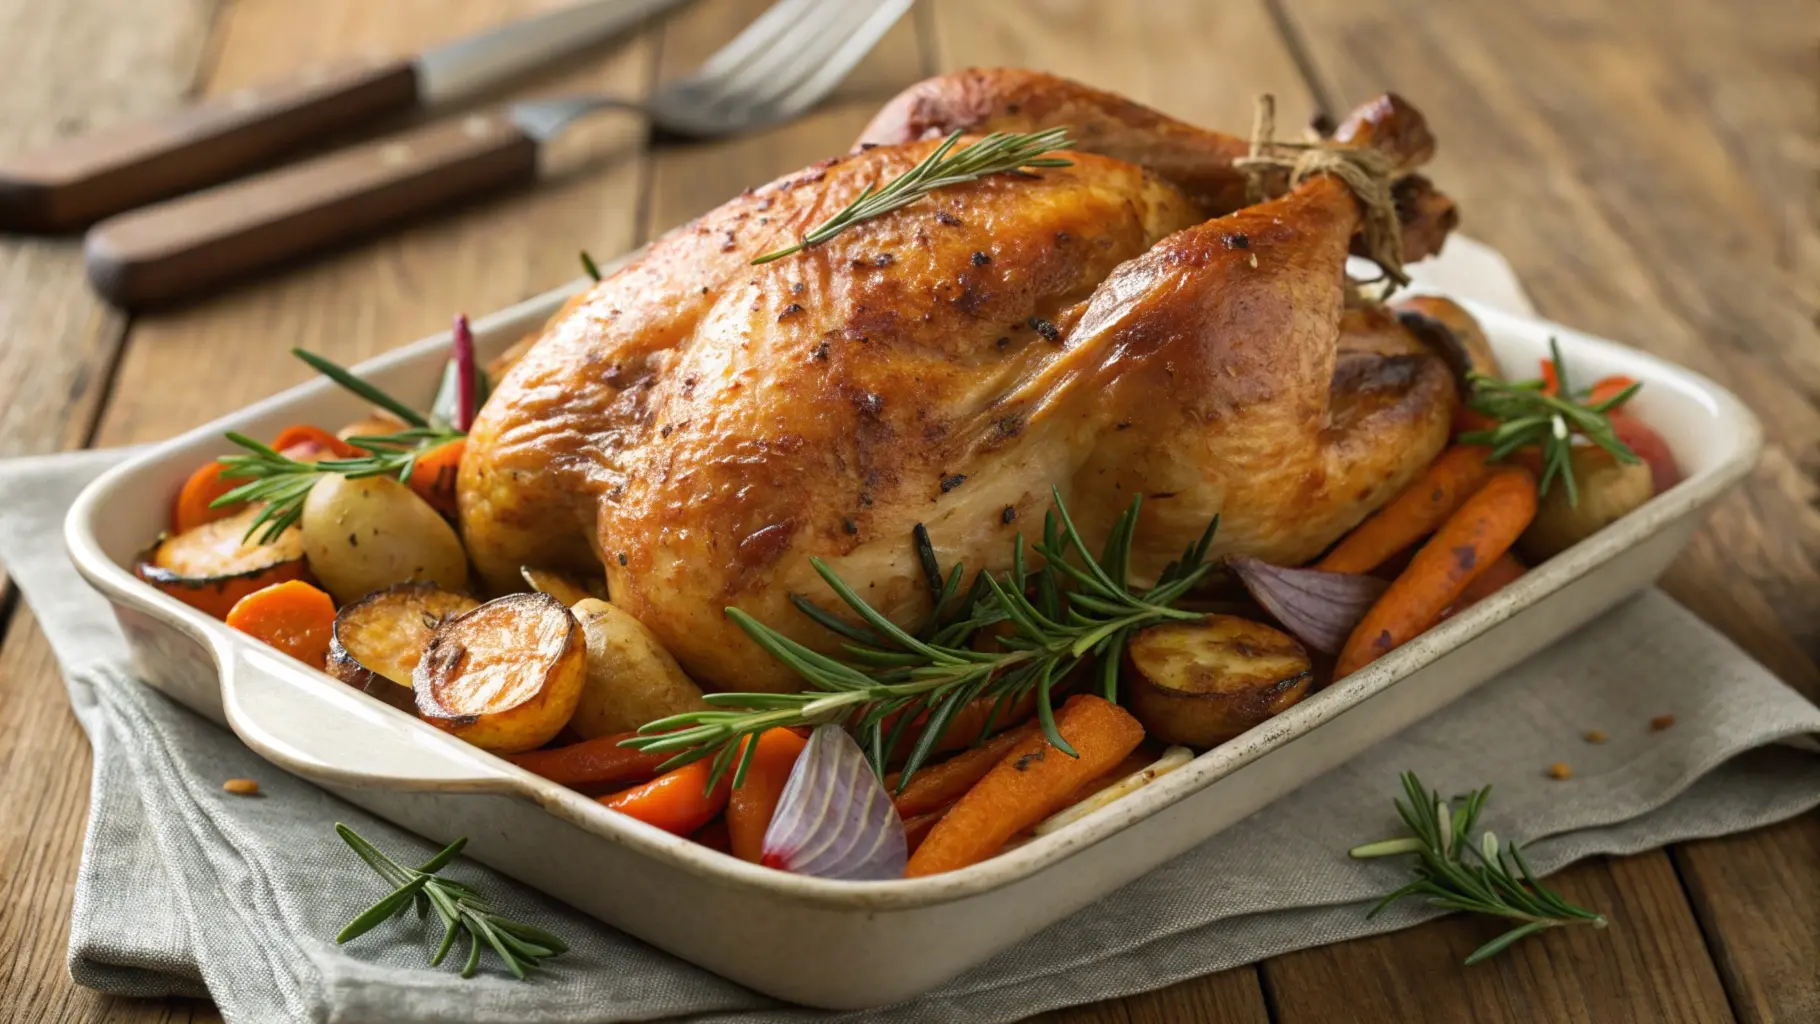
(1644,165)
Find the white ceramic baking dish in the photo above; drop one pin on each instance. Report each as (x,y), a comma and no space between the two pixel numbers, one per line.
(846,944)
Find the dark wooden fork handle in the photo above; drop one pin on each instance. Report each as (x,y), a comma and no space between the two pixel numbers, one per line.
(74,183)
(181,247)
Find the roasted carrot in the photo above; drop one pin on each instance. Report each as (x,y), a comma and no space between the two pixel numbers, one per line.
(1467,545)
(965,727)
(676,801)
(713,835)
(592,762)
(1028,785)
(1551,377)
(751,805)
(304,441)
(292,616)
(195,501)
(433,478)
(1608,388)
(1413,514)
(1503,572)
(918,828)
(938,785)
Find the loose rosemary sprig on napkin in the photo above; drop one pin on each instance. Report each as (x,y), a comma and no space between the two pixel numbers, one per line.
(523,947)
(1527,415)
(997,153)
(1498,882)
(892,681)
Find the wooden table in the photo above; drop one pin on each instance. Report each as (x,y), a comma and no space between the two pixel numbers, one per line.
(1648,166)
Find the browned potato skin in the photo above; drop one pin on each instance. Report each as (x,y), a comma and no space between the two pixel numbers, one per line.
(379,639)
(505,676)
(632,679)
(1609,489)
(1201,683)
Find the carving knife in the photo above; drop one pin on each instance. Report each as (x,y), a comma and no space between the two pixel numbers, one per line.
(74,183)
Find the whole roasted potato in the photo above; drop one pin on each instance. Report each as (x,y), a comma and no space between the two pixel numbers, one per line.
(505,676)
(1607,490)
(632,680)
(1203,682)
(366,534)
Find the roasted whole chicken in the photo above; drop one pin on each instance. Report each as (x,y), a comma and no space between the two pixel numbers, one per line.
(700,427)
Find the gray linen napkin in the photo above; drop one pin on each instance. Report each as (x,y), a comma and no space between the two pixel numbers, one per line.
(186,890)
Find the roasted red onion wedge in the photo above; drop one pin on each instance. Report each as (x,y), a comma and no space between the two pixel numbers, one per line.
(1319,607)
(835,819)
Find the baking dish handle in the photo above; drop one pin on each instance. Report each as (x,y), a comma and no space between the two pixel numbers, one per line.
(335,736)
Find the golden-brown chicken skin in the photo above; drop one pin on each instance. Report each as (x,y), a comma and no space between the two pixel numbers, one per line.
(702,427)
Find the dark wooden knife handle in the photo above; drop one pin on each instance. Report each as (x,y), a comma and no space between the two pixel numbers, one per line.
(186,245)
(74,183)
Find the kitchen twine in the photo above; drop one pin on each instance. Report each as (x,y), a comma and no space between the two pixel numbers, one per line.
(1367,172)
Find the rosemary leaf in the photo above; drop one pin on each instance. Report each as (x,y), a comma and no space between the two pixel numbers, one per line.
(997,153)
(1440,837)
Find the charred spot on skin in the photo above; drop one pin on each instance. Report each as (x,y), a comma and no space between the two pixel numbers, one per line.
(1008,516)
(1004,342)
(1063,238)
(1465,557)
(871,404)
(1237,240)
(849,527)
(980,259)
(796,288)
(789,311)
(1122,425)
(1024,762)
(763,545)
(1043,327)
(947,219)
(664,431)
(1160,495)
(820,352)
(622,559)
(949,483)
(1009,427)
(353,540)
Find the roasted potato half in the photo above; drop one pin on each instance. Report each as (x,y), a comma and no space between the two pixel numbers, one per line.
(632,680)
(504,676)
(378,640)
(1203,682)
(212,566)
(372,532)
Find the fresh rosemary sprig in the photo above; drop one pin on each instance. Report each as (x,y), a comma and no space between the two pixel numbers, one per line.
(588,265)
(997,153)
(1528,416)
(1076,611)
(282,483)
(1499,882)
(523,947)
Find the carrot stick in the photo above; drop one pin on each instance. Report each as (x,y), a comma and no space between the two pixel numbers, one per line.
(195,501)
(1028,784)
(713,835)
(313,442)
(1465,547)
(1413,514)
(677,801)
(592,762)
(968,723)
(1608,388)
(292,616)
(918,828)
(751,805)
(433,478)
(1502,573)
(937,785)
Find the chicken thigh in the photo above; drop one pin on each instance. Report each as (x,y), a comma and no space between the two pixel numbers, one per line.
(700,428)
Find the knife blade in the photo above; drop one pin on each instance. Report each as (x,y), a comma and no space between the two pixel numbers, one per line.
(74,183)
